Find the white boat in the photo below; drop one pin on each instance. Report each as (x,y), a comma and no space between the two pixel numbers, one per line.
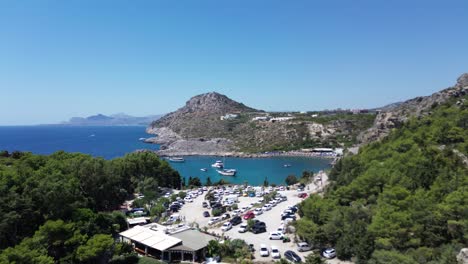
(287,165)
(218,164)
(142,139)
(176,159)
(227,172)
(204,169)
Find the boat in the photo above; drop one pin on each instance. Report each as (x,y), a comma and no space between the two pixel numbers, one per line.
(142,139)
(204,169)
(287,165)
(218,164)
(227,172)
(176,159)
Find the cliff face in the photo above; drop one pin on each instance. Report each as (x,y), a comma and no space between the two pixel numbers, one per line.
(394,117)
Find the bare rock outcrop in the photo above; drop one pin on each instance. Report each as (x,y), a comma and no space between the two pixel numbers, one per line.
(391,118)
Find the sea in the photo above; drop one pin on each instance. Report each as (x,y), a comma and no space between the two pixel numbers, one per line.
(115,141)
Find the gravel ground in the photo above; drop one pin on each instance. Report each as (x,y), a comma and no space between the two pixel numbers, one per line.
(193,212)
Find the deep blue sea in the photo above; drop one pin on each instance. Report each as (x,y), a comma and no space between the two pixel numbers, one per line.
(111,142)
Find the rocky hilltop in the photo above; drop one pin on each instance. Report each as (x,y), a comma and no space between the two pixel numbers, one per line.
(393,117)
(213,124)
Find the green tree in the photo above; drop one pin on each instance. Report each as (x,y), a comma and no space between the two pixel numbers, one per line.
(213,248)
(314,259)
(208,181)
(390,257)
(291,180)
(96,250)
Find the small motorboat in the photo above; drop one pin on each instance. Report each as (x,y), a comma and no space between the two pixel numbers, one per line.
(218,164)
(176,159)
(204,169)
(287,165)
(227,172)
(142,139)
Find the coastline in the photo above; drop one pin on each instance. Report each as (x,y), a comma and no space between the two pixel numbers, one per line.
(243,155)
(173,145)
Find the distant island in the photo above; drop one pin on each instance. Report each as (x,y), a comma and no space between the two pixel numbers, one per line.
(120,119)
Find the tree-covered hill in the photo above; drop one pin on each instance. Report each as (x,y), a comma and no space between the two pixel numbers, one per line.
(57,208)
(400,200)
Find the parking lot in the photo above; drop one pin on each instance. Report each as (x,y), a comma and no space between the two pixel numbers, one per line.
(193,212)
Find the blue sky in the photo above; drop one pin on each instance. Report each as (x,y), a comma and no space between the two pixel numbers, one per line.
(60,59)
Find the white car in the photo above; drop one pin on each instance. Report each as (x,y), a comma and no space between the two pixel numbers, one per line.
(236,212)
(188,199)
(264,252)
(276,236)
(275,252)
(226,226)
(281,229)
(214,220)
(258,211)
(266,207)
(242,228)
(272,202)
(329,253)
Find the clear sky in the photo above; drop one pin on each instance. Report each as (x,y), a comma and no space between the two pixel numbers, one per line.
(60,59)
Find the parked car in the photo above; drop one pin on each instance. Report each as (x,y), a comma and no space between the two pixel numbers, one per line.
(303,246)
(292,256)
(226,226)
(275,252)
(259,228)
(258,211)
(302,195)
(214,220)
(242,228)
(249,215)
(206,214)
(264,252)
(236,220)
(216,205)
(205,204)
(188,199)
(225,216)
(329,253)
(289,216)
(276,236)
(281,229)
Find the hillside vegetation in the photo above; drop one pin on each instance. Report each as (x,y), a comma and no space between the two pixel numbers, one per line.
(200,121)
(400,200)
(57,208)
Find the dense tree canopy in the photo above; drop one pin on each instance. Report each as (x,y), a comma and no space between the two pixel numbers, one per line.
(57,207)
(401,200)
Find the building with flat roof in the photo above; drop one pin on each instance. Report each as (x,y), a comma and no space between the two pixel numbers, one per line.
(177,244)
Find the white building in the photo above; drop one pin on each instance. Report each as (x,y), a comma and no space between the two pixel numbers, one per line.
(281,119)
(229,116)
(260,118)
(181,244)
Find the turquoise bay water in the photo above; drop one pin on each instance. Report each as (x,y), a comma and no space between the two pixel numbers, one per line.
(250,170)
(112,142)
